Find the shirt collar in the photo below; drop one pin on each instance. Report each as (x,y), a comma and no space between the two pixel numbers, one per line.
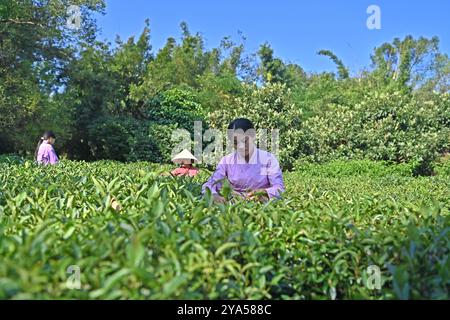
(241,160)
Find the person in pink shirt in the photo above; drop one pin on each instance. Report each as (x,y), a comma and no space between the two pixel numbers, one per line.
(45,153)
(186,160)
(253,173)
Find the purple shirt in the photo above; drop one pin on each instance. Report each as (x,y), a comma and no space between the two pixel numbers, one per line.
(261,172)
(46,154)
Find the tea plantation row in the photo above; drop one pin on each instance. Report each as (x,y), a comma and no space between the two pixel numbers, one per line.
(343,231)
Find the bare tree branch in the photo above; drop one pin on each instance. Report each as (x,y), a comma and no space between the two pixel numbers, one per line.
(21,22)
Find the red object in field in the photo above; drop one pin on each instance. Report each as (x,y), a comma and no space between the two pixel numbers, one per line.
(191,172)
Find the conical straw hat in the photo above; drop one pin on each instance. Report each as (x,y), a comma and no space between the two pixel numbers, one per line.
(184,155)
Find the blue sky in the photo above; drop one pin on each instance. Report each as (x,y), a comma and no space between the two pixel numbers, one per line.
(296,29)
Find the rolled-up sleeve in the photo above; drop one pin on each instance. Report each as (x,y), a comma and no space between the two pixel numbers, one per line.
(213,182)
(275,178)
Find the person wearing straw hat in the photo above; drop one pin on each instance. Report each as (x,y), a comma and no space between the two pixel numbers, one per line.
(185,159)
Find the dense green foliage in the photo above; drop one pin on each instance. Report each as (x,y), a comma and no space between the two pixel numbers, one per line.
(390,127)
(121,101)
(335,221)
(364,190)
(36,50)
(269,108)
(125,138)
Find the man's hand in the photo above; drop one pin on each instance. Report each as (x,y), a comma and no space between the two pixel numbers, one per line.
(258,195)
(218,198)
(238,195)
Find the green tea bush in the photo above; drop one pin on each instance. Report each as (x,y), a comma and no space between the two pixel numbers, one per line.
(11,159)
(339,168)
(442,167)
(388,126)
(423,267)
(168,241)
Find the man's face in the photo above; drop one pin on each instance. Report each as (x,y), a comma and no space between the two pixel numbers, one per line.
(243,143)
(186,162)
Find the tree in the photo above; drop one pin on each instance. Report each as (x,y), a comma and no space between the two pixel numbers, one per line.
(342,69)
(212,73)
(274,70)
(409,64)
(176,64)
(128,66)
(35,48)
(271,69)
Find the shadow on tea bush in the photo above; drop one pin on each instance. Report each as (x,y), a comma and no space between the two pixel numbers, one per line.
(11,159)
(423,270)
(442,168)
